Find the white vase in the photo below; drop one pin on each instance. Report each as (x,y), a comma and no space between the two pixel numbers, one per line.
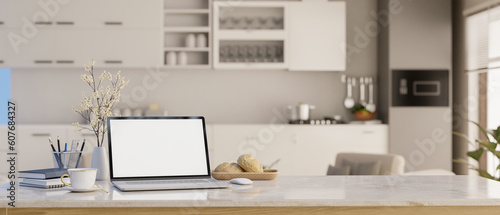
(190,41)
(101,163)
(182,58)
(201,40)
(171,58)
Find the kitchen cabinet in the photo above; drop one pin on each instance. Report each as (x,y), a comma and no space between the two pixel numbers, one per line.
(317,36)
(82,13)
(250,35)
(62,48)
(302,149)
(121,47)
(7,50)
(123,13)
(310,36)
(74,32)
(3,13)
(33,148)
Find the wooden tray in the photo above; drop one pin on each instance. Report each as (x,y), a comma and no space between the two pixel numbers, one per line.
(268,174)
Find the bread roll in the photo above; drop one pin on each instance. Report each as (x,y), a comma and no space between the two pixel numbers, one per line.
(228,167)
(249,164)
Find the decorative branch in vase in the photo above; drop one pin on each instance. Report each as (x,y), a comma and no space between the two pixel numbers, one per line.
(97,107)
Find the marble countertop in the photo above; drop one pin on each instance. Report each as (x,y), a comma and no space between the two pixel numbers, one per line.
(286,191)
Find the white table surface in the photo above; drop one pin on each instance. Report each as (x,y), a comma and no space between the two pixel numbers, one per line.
(286,191)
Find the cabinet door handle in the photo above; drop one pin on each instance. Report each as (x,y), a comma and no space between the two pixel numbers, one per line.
(65,23)
(1,22)
(113,61)
(1,61)
(43,23)
(113,23)
(65,61)
(368,132)
(40,134)
(43,61)
(87,134)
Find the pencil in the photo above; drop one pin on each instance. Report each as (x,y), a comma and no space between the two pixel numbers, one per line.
(58,158)
(58,145)
(81,151)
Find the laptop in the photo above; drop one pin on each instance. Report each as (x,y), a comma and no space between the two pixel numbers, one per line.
(159,153)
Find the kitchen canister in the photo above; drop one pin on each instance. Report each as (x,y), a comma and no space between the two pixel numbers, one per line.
(190,41)
(182,58)
(201,41)
(126,112)
(171,58)
(303,111)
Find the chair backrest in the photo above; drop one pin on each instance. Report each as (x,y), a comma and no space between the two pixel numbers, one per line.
(390,164)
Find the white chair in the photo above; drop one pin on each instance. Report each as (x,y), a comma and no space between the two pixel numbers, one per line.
(367,164)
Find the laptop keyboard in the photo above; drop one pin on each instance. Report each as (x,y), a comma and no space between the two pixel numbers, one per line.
(167,181)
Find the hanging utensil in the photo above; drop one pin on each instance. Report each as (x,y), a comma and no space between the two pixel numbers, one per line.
(349,101)
(362,91)
(370,106)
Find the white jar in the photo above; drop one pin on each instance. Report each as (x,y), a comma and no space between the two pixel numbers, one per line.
(181,58)
(126,112)
(190,41)
(304,112)
(171,58)
(201,41)
(137,112)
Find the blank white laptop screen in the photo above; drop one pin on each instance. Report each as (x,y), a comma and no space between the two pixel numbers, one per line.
(158,147)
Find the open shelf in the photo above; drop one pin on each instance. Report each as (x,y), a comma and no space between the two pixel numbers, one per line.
(187,29)
(252,34)
(185,20)
(186,4)
(187,49)
(187,67)
(181,19)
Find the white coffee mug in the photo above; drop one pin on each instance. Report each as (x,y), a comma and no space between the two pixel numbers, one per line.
(81,178)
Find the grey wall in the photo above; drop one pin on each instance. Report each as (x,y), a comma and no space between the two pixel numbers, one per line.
(45,96)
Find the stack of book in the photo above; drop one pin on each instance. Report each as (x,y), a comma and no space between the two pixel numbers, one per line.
(42,178)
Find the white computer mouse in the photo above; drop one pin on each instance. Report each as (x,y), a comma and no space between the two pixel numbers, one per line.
(241,181)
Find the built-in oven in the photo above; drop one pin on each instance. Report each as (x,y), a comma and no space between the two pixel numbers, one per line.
(420,87)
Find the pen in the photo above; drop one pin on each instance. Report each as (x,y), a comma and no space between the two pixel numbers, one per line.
(58,158)
(81,151)
(65,147)
(58,145)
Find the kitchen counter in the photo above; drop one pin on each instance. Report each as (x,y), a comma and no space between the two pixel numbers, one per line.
(387,194)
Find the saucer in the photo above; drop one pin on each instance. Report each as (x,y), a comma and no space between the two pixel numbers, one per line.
(81,190)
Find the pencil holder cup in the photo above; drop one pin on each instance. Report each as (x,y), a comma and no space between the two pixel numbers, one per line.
(66,160)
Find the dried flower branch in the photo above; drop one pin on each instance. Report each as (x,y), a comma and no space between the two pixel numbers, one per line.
(98,106)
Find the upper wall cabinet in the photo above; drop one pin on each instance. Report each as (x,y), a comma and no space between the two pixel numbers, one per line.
(317,36)
(299,36)
(115,33)
(82,13)
(250,35)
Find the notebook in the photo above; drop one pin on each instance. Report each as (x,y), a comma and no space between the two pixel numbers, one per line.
(40,183)
(159,153)
(43,173)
